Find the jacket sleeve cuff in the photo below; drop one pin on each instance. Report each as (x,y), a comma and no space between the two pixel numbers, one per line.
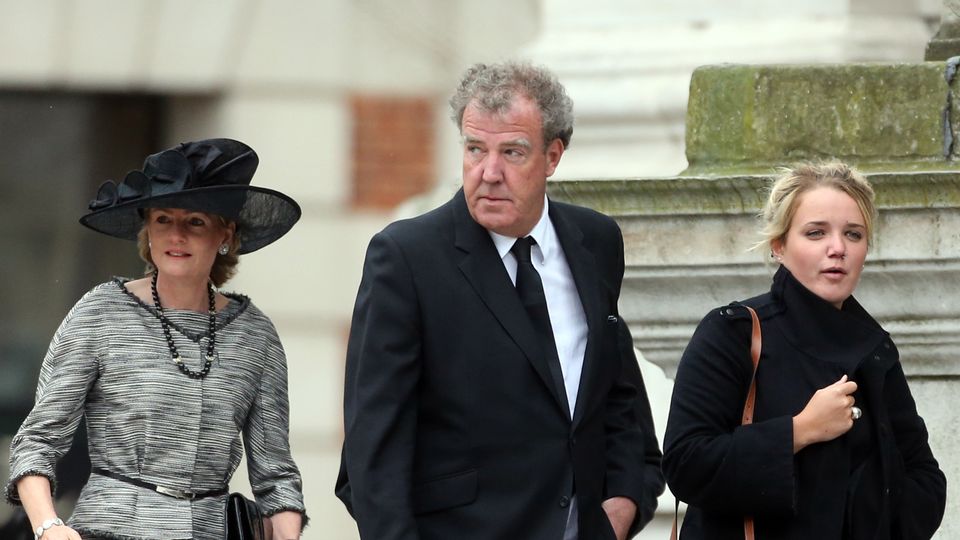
(642,492)
(13,497)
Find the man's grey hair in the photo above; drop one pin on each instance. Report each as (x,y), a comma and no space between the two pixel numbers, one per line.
(492,87)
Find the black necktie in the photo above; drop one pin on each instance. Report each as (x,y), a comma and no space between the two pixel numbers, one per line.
(530,289)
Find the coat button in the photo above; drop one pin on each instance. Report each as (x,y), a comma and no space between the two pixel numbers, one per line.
(876,357)
(886,344)
(564,501)
(612,319)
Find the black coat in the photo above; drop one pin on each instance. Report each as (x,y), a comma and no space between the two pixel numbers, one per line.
(454,427)
(877,481)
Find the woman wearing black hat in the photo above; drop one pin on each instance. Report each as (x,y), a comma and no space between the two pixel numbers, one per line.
(167,370)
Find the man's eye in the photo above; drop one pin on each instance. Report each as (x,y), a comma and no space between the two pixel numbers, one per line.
(197,222)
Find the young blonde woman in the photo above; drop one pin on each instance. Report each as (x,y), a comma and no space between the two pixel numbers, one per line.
(168,370)
(836,449)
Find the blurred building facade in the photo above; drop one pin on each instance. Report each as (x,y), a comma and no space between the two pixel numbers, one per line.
(344,100)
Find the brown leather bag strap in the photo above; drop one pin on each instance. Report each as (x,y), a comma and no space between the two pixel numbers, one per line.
(755,344)
(748,406)
(756,341)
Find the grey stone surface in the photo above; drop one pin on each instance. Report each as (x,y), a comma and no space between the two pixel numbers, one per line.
(688,249)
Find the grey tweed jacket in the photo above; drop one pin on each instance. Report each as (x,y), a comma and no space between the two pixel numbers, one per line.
(109,361)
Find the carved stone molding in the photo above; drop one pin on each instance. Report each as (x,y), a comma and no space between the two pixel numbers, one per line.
(688,240)
(912,299)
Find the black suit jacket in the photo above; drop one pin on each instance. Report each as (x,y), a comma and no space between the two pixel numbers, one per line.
(454,427)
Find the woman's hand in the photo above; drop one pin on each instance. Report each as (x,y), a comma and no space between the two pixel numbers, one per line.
(285,525)
(34,493)
(60,532)
(826,416)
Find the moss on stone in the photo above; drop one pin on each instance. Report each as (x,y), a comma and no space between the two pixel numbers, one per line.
(743,116)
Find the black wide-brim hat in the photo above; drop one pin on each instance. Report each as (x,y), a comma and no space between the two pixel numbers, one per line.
(211,176)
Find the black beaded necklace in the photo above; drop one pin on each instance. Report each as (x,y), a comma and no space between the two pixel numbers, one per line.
(173,348)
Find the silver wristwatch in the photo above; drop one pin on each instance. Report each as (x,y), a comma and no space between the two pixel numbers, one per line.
(45,526)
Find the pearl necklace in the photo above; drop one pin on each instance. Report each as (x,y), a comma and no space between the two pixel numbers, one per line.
(165,324)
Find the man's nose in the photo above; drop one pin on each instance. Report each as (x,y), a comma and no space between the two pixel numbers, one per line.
(492,168)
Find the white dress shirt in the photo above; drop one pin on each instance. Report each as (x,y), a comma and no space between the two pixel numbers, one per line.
(563,301)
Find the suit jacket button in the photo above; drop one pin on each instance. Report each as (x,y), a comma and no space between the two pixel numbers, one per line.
(612,319)
(564,501)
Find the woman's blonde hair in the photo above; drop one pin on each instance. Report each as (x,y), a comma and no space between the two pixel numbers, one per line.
(786,189)
(224,266)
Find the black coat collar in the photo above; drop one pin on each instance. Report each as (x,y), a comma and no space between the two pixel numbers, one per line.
(845,336)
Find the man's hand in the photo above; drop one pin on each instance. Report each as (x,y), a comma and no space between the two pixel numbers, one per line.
(620,511)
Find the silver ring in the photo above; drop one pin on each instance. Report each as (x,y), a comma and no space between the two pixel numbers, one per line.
(856,412)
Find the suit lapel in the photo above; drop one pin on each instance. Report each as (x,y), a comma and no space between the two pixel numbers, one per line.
(583,266)
(483,268)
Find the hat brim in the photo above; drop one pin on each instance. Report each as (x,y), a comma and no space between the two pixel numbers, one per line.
(262,215)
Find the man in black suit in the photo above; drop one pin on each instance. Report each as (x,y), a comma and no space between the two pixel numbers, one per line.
(491,387)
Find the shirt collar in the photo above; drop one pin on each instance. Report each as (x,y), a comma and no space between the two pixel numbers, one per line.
(543,232)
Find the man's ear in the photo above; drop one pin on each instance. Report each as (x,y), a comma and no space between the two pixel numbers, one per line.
(554,153)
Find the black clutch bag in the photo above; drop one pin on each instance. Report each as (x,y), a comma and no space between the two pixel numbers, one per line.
(244,521)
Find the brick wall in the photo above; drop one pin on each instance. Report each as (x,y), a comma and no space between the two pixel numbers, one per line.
(393,149)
